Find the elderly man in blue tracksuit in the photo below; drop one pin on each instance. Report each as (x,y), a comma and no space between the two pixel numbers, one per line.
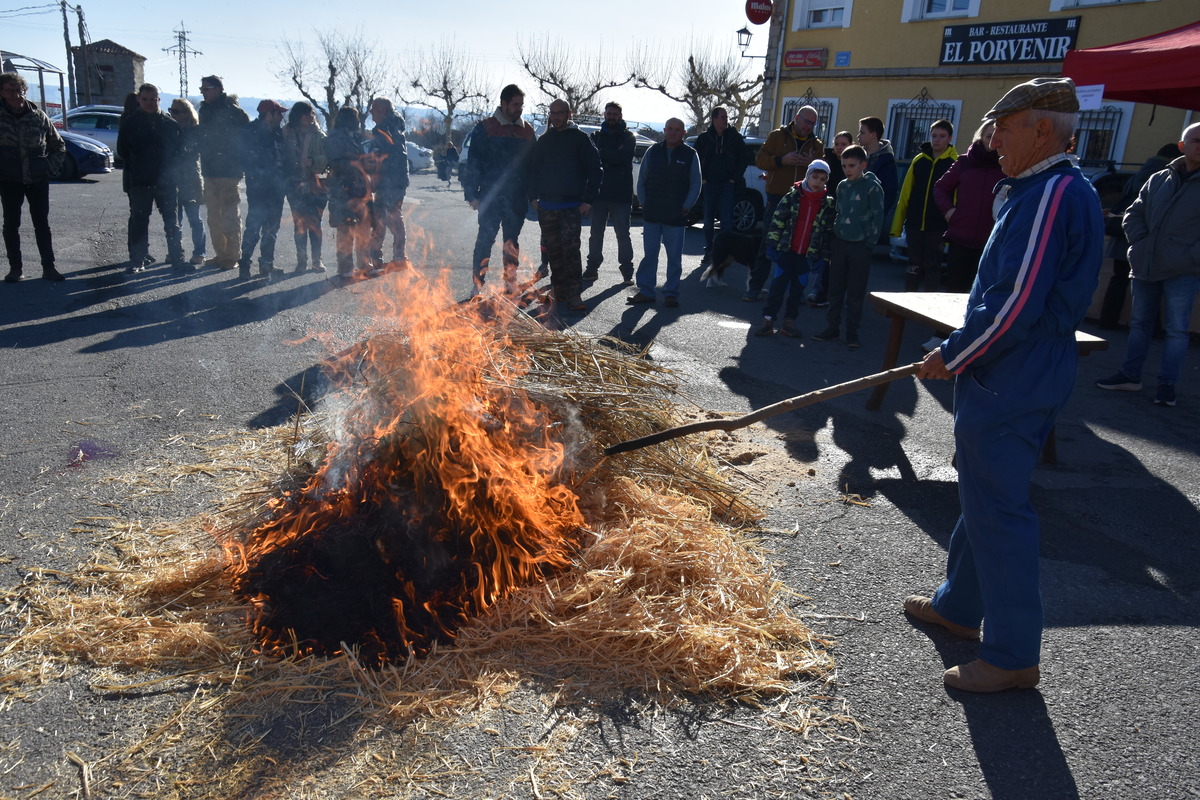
(1014,360)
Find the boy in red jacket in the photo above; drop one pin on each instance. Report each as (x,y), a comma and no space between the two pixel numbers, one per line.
(795,241)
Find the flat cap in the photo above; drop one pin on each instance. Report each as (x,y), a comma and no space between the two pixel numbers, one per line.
(1047,94)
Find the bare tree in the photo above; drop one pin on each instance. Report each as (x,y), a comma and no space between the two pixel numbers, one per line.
(444,78)
(562,73)
(342,70)
(700,81)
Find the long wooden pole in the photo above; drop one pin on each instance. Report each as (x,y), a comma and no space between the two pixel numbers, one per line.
(782,407)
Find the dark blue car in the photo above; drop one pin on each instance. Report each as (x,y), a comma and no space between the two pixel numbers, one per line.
(84,157)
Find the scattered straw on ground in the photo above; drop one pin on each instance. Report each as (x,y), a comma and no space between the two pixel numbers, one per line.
(666,600)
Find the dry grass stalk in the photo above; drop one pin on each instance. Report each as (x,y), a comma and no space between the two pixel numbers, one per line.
(665,599)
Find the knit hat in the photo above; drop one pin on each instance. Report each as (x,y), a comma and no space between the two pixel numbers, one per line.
(817,165)
(1047,94)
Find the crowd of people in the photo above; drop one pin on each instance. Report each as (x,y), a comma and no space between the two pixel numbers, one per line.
(826,207)
(178,160)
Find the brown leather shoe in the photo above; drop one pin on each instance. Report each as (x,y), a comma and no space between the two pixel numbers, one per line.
(922,608)
(980,676)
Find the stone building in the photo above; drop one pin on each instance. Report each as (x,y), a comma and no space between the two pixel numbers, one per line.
(105,72)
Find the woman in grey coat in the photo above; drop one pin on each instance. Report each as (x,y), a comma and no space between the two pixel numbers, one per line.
(187,175)
(304,145)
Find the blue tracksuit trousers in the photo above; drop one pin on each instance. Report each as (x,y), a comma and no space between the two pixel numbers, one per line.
(1003,414)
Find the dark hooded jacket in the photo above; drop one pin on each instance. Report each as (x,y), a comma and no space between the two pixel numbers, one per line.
(617,147)
(149,146)
(722,158)
(969,187)
(221,123)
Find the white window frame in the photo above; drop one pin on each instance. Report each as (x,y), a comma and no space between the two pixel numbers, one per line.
(805,7)
(1067,5)
(914,11)
(833,115)
(1122,133)
(956,119)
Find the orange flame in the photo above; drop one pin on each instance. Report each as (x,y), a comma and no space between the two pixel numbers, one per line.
(443,490)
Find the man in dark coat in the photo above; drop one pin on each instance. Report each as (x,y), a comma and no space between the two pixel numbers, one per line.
(564,179)
(148,143)
(722,152)
(616,144)
(391,184)
(265,163)
(494,181)
(30,152)
(221,122)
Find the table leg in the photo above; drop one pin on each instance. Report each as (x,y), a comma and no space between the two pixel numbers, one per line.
(889,360)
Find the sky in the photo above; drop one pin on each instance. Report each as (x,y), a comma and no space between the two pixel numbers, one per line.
(239,41)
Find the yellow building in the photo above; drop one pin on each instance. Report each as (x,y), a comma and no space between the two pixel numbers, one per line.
(910,62)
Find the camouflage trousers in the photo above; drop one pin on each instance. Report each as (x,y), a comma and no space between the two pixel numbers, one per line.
(560,238)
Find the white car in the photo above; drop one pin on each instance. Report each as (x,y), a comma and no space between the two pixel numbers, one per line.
(419,158)
(101,123)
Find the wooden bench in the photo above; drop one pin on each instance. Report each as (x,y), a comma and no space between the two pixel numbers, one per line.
(944,312)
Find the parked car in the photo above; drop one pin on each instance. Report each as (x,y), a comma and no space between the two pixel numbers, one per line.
(97,122)
(418,157)
(85,156)
(1108,181)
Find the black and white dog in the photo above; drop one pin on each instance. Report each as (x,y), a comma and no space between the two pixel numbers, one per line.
(727,248)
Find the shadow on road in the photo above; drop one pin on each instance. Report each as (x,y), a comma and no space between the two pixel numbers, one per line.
(106,301)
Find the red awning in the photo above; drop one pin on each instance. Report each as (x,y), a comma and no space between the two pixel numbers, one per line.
(1163,69)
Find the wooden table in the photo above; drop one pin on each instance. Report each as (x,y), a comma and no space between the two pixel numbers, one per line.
(944,312)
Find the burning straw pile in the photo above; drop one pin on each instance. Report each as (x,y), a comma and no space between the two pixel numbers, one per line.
(443,524)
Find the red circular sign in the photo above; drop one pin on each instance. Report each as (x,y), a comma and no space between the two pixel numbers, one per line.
(758,11)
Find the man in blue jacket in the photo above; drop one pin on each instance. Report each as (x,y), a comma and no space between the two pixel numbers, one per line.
(494,180)
(1014,360)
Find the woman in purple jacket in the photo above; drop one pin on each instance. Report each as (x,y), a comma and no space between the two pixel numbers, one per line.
(965,196)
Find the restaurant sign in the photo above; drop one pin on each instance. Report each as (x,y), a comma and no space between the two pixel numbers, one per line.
(805,59)
(1029,41)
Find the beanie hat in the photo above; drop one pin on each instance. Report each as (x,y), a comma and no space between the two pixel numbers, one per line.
(817,165)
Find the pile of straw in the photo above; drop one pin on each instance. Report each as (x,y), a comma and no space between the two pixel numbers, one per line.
(665,597)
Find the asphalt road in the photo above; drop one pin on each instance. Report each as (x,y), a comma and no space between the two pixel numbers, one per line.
(123,363)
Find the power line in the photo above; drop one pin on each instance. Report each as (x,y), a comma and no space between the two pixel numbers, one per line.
(181,49)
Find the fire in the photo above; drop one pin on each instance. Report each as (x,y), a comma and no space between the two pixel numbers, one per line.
(444,487)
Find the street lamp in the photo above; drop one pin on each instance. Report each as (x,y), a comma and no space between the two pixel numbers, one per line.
(744,41)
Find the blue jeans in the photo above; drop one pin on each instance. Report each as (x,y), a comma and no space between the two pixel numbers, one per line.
(498,212)
(263,214)
(670,237)
(191,210)
(1176,296)
(718,203)
(788,277)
